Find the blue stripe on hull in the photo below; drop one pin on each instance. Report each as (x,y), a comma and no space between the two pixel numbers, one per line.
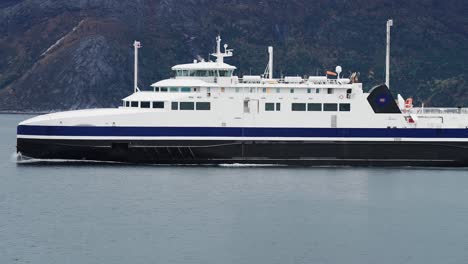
(240,132)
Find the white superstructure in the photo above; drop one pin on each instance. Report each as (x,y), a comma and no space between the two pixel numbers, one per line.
(209,94)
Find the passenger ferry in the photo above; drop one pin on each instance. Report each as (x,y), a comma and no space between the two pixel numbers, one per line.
(208,115)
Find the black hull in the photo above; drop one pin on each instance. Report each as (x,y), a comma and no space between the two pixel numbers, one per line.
(302,153)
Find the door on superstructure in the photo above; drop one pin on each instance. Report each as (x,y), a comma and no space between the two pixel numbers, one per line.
(251,106)
(334,121)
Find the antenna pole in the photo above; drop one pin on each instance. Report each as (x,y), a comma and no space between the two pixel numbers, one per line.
(136,45)
(387,58)
(270,63)
(218,50)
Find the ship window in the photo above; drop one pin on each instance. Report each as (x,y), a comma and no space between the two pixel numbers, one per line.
(314,107)
(278,90)
(175,106)
(127,104)
(291,90)
(330,107)
(309,90)
(237,89)
(264,90)
(278,106)
(345,107)
(269,107)
(223,89)
(158,104)
(330,90)
(225,73)
(317,90)
(185,89)
(164,89)
(156,89)
(298,107)
(134,104)
(174,89)
(187,105)
(203,106)
(145,104)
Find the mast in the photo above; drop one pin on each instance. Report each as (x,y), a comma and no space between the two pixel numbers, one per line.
(136,45)
(387,58)
(221,55)
(269,68)
(270,63)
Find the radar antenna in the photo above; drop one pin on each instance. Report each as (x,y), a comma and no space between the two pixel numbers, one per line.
(221,55)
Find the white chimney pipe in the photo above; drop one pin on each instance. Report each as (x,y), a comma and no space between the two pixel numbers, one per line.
(387,58)
(136,45)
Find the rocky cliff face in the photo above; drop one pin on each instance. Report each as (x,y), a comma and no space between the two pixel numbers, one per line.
(58,54)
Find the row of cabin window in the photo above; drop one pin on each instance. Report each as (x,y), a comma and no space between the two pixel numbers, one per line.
(327,107)
(237,90)
(191,106)
(144,104)
(310,107)
(174,105)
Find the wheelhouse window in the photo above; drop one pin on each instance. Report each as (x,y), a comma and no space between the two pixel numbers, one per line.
(158,104)
(298,107)
(145,104)
(134,104)
(225,73)
(127,104)
(314,107)
(187,106)
(185,89)
(164,89)
(330,107)
(175,106)
(156,89)
(174,89)
(182,73)
(345,107)
(203,106)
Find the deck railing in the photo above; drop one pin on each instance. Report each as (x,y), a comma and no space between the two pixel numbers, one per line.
(435,110)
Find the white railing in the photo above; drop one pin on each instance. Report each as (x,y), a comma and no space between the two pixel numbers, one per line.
(303,81)
(434,110)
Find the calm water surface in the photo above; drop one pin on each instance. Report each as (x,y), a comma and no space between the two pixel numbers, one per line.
(102,213)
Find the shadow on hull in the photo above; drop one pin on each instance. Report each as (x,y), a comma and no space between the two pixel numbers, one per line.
(291,153)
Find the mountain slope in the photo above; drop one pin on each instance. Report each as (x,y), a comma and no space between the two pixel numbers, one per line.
(59,54)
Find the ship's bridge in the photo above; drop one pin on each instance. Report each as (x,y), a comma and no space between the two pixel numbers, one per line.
(206,71)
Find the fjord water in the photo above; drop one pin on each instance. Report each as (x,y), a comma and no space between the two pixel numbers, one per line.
(111,213)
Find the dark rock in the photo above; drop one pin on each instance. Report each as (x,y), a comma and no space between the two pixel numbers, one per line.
(90,63)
